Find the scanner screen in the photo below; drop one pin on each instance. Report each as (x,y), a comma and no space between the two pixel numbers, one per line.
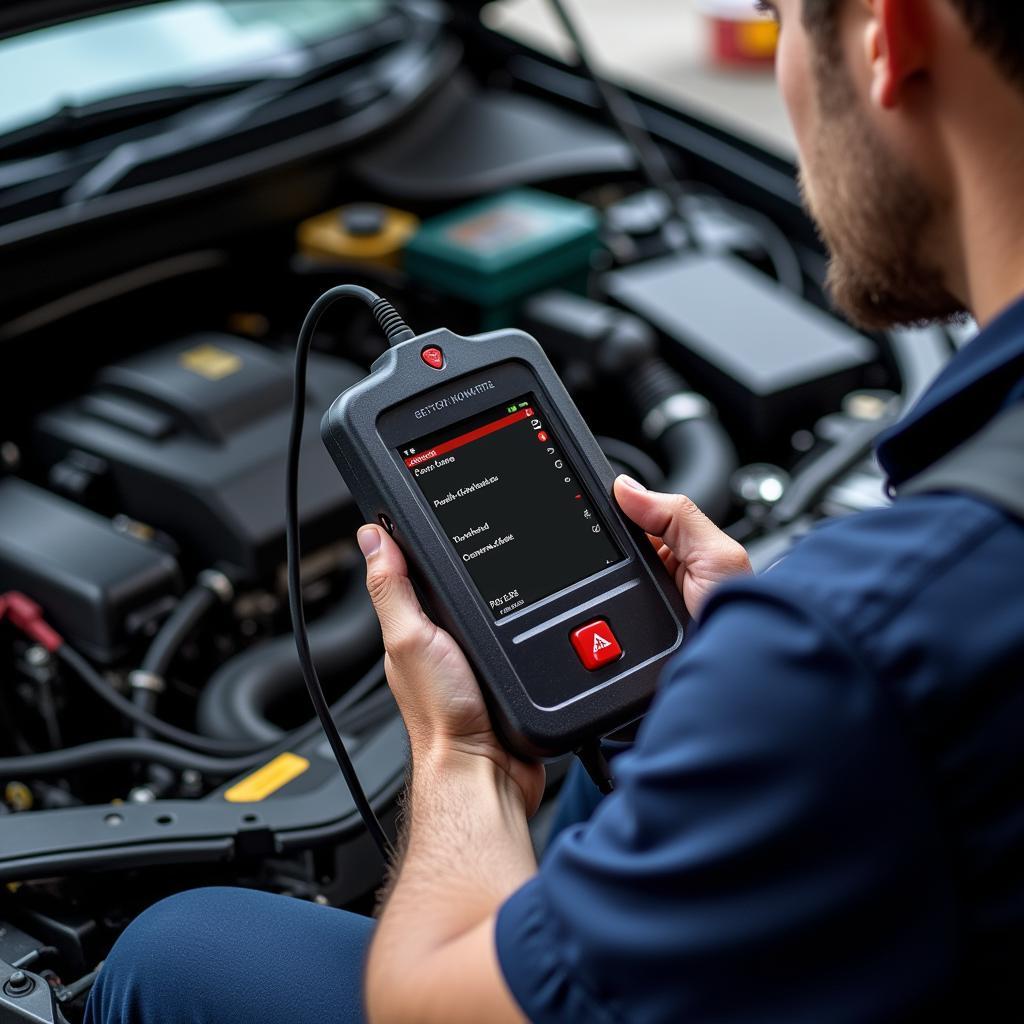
(513,508)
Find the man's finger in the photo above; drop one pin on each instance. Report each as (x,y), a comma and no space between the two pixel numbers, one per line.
(672,517)
(387,581)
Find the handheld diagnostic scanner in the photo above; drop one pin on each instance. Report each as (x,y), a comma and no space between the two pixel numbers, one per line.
(471,453)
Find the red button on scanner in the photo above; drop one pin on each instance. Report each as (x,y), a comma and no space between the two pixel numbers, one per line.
(595,644)
(433,357)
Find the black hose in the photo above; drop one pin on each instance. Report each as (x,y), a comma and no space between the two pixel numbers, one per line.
(235,702)
(102,753)
(187,614)
(700,454)
(633,461)
(702,460)
(128,710)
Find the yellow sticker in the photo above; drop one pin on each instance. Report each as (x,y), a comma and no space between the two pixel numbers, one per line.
(211,362)
(266,780)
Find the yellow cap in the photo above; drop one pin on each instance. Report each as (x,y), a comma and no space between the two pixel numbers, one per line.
(358,232)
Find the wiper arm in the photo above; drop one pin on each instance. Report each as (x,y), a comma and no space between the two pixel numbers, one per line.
(275,75)
(214,121)
(74,123)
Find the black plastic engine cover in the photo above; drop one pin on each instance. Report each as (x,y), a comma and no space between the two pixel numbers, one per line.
(191,438)
(94,584)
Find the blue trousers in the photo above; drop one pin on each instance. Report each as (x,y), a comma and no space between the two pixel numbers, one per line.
(221,956)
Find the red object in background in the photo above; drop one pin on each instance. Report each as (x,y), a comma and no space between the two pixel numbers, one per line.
(739,38)
(595,644)
(541,436)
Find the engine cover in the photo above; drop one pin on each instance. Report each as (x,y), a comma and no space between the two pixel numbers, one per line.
(191,438)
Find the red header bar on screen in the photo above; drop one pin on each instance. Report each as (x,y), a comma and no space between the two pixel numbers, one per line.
(471,435)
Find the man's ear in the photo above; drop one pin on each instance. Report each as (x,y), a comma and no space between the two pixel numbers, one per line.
(897,40)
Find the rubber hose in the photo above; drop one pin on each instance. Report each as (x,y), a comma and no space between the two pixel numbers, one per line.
(187,614)
(234,703)
(702,461)
(102,753)
(700,455)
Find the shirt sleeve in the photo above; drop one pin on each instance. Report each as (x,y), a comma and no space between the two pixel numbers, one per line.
(770,852)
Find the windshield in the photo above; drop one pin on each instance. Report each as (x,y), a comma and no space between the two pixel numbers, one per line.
(161,45)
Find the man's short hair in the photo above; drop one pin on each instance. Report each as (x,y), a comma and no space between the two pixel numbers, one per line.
(997,26)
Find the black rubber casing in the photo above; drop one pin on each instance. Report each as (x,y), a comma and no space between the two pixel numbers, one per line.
(542,700)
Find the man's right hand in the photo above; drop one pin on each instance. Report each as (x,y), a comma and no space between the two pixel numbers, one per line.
(695,551)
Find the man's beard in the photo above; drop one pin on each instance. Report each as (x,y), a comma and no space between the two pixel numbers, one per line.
(875,218)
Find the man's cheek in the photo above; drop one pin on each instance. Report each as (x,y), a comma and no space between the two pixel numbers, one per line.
(792,67)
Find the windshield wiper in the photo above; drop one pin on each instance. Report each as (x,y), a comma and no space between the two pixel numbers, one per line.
(75,123)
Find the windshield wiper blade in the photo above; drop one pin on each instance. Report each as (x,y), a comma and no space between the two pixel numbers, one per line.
(217,119)
(74,123)
(213,122)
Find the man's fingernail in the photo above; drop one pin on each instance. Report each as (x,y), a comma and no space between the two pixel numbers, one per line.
(368,539)
(630,482)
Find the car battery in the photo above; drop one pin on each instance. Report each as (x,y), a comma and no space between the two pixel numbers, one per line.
(495,252)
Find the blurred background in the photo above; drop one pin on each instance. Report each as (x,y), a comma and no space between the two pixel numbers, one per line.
(713,56)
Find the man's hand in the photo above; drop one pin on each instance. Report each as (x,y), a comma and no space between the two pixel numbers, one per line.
(433,683)
(695,551)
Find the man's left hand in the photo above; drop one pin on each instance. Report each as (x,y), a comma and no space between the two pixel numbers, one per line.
(435,688)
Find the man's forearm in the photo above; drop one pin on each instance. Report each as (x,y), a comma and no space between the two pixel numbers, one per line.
(468,847)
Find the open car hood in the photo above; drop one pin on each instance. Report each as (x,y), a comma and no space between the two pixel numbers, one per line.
(22,15)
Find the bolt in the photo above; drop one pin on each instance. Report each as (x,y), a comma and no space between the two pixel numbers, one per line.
(141,795)
(38,656)
(760,484)
(19,984)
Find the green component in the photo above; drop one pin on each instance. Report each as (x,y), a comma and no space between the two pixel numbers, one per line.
(498,250)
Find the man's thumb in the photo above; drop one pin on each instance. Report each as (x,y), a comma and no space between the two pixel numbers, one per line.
(672,517)
(390,589)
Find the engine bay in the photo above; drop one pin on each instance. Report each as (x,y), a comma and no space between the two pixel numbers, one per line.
(142,450)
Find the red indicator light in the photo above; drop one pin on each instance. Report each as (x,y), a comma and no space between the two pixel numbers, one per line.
(541,436)
(433,356)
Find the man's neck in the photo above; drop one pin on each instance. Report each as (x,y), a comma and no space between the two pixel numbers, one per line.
(987,162)
(992,233)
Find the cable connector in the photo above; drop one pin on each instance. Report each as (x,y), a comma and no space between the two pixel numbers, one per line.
(27,617)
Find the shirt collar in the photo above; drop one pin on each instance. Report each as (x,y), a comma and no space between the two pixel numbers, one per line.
(968,392)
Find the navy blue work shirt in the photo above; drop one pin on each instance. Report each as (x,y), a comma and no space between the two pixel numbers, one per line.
(823,817)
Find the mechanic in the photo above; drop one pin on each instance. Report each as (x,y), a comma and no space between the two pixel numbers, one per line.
(822,818)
